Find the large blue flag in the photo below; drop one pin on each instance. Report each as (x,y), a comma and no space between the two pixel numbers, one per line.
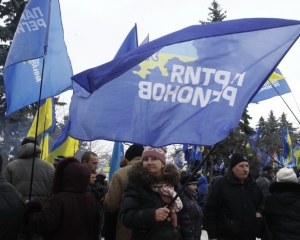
(276,81)
(192,88)
(39,32)
(117,155)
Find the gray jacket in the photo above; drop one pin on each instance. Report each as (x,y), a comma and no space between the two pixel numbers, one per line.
(18,173)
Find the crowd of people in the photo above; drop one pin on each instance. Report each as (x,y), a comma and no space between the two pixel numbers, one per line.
(147,198)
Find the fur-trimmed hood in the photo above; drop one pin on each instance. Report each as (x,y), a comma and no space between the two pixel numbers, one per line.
(26,151)
(70,176)
(139,175)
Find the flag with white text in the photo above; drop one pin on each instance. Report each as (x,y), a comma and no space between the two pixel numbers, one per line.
(275,81)
(190,86)
(39,33)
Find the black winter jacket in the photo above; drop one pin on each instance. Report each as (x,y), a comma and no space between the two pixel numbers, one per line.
(263,182)
(230,211)
(11,210)
(283,210)
(194,211)
(140,201)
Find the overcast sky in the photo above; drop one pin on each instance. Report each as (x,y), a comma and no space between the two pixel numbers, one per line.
(95,29)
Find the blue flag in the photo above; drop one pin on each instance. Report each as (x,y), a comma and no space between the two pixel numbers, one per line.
(39,32)
(254,138)
(117,155)
(276,81)
(177,160)
(192,88)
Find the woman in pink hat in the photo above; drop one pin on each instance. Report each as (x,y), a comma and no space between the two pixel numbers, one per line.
(151,187)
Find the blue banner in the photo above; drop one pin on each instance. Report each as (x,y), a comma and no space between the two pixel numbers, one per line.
(192,88)
(275,86)
(117,155)
(37,33)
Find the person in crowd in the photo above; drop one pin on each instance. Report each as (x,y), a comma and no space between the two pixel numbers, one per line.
(11,209)
(71,212)
(234,207)
(18,173)
(194,210)
(265,179)
(93,179)
(152,185)
(202,188)
(113,198)
(57,159)
(91,161)
(282,211)
(263,182)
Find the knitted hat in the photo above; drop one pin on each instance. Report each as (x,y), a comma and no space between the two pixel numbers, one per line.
(286,175)
(193,180)
(29,140)
(267,169)
(160,153)
(236,158)
(134,151)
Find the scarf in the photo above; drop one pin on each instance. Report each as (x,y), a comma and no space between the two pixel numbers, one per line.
(167,193)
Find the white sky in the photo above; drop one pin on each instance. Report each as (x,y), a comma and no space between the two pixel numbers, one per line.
(95,29)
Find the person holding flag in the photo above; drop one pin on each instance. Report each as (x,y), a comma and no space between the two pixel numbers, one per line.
(18,173)
(152,185)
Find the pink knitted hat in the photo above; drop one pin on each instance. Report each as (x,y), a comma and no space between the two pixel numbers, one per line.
(160,153)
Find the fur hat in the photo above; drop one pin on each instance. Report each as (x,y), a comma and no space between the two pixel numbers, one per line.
(267,169)
(286,175)
(134,151)
(236,158)
(29,140)
(160,153)
(193,180)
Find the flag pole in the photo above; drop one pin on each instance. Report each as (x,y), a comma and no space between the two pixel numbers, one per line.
(39,102)
(285,101)
(186,183)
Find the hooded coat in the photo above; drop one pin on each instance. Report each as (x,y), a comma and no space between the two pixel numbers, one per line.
(140,201)
(282,210)
(230,210)
(71,212)
(18,173)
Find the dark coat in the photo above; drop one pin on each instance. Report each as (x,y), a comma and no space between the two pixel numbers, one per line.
(282,211)
(263,182)
(71,212)
(140,201)
(11,210)
(230,210)
(194,212)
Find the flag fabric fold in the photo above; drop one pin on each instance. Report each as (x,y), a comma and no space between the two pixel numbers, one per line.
(113,69)
(189,87)
(117,155)
(47,119)
(45,146)
(64,145)
(39,32)
(276,81)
